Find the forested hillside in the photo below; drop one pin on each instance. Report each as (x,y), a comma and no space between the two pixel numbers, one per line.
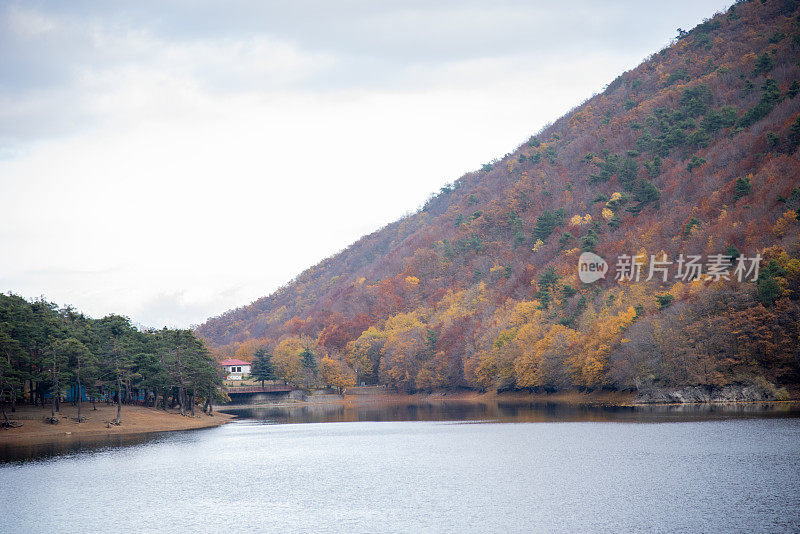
(693,153)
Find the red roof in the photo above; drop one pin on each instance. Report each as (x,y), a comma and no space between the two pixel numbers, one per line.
(233,361)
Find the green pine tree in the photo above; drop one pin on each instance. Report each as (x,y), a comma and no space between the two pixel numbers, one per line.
(262,369)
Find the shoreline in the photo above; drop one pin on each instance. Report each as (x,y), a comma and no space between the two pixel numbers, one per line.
(136,420)
(565,398)
(140,421)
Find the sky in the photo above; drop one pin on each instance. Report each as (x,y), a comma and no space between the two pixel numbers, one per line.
(169,161)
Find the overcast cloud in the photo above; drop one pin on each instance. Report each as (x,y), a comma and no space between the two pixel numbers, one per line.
(171,160)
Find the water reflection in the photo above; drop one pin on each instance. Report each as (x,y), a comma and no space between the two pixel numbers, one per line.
(503,411)
(735,470)
(70,446)
(433,410)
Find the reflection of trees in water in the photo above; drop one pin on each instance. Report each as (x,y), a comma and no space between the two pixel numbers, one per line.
(39,451)
(506,411)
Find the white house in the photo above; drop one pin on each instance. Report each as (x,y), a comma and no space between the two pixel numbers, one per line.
(235,369)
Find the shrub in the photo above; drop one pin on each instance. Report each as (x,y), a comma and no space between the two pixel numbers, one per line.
(589,241)
(628,173)
(793,90)
(742,188)
(678,75)
(696,100)
(690,225)
(764,64)
(545,224)
(695,162)
(653,167)
(664,301)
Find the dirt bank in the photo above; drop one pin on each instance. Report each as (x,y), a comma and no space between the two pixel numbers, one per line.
(135,420)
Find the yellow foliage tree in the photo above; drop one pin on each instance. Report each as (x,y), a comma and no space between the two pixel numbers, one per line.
(402,349)
(336,374)
(481,369)
(782,225)
(362,353)
(526,311)
(246,349)
(589,365)
(286,359)
(514,327)
(542,364)
(434,373)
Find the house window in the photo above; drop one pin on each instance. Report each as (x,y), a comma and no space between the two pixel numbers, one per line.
(238,369)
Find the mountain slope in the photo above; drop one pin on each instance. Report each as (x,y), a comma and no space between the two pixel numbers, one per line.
(693,152)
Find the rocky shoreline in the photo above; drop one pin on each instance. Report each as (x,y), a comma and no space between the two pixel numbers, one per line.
(708,394)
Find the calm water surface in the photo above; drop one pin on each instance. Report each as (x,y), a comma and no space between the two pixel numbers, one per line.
(425,468)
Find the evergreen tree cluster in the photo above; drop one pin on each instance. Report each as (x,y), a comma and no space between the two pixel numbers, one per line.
(46,351)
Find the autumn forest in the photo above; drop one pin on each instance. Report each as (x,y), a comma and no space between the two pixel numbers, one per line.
(683,174)
(694,152)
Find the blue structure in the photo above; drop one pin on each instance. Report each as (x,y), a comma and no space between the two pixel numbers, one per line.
(72,394)
(104,393)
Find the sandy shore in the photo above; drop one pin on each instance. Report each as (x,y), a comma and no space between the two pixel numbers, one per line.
(135,420)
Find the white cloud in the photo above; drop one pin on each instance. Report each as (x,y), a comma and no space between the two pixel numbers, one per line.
(28,23)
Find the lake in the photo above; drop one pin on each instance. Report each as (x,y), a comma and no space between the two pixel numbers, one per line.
(425,467)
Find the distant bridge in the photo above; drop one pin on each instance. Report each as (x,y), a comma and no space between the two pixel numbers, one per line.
(281,388)
(258,394)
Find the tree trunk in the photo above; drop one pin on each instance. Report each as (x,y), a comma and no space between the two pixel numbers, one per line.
(53,391)
(208,400)
(13,401)
(80,393)
(118,420)
(191,403)
(79,398)
(181,397)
